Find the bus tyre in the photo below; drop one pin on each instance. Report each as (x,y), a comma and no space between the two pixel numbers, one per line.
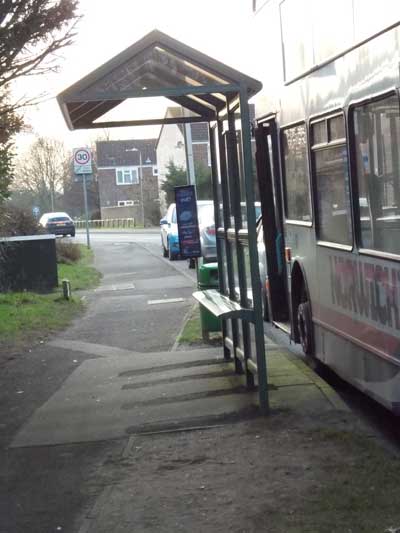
(305,326)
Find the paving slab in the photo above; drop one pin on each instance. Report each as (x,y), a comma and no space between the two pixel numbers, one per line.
(111,397)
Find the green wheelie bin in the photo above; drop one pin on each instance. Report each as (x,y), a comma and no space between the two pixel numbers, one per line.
(207,278)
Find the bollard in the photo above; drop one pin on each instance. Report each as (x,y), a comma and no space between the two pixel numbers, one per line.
(66,286)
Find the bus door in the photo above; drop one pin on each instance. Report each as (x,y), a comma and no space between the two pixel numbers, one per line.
(267,160)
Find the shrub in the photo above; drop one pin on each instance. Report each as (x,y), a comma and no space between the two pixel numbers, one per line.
(15,222)
(67,252)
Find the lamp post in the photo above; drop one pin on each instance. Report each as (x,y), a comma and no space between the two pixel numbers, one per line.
(134,149)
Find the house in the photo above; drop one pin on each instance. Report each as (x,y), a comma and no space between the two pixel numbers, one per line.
(187,145)
(181,143)
(128,180)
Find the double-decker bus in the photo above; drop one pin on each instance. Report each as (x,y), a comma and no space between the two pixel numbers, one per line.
(328,166)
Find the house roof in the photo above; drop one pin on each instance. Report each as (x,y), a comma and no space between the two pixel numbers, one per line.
(199,129)
(156,65)
(121,153)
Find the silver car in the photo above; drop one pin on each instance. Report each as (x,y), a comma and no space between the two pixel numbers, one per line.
(205,213)
(170,237)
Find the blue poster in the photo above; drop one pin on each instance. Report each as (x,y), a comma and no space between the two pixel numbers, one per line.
(188,225)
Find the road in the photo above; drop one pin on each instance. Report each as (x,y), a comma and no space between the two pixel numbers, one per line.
(48,488)
(148,238)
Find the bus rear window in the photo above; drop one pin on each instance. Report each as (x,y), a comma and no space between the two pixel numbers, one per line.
(377,137)
(297,187)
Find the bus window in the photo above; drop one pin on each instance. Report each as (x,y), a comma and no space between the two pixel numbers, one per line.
(332,181)
(377,136)
(297,188)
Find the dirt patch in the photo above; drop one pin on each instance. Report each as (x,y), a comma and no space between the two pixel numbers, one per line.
(280,474)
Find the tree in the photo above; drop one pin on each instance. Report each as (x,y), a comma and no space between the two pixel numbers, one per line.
(176,176)
(203,182)
(31,31)
(43,171)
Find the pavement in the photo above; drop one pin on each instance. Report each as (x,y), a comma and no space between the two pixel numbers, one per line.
(122,393)
(128,385)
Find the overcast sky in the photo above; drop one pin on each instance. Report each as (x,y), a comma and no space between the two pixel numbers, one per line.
(219,28)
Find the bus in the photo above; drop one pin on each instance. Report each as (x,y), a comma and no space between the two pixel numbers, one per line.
(327,131)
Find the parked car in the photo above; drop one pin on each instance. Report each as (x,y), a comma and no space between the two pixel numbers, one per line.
(58,223)
(170,237)
(169,234)
(205,213)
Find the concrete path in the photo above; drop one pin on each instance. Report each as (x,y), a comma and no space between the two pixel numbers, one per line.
(123,392)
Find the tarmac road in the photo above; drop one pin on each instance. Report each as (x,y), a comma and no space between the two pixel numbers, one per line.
(47,488)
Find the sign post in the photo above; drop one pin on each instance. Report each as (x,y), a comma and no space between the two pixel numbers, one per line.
(83,166)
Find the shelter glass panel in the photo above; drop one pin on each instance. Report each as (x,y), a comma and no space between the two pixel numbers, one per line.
(224,265)
(246,255)
(377,135)
(234,251)
(217,173)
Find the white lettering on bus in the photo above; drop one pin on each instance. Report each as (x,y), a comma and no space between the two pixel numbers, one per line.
(366,289)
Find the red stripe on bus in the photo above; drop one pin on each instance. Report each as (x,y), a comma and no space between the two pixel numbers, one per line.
(365,335)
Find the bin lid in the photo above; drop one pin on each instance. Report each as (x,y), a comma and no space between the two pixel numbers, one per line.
(208,273)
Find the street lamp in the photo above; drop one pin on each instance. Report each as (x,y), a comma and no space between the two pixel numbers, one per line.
(134,149)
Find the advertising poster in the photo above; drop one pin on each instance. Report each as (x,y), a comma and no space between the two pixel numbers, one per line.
(188,225)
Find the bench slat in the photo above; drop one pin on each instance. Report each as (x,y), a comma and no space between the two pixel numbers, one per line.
(221,306)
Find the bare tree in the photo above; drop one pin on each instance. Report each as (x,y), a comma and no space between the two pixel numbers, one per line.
(31,31)
(43,171)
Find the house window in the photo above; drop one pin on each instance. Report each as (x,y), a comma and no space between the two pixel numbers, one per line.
(127,176)
(155,171)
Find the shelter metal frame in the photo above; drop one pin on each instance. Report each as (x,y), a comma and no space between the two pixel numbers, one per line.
(211,92)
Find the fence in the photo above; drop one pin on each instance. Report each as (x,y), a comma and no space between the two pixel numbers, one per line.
(107,223)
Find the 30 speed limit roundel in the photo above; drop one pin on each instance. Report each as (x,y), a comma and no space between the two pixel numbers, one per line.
(82,161)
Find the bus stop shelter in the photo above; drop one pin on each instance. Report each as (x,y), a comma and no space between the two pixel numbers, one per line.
(209,91)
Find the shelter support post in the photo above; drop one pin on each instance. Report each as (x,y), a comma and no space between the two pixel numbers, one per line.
(253,253)
(228,252)
(243,353)
(212,130)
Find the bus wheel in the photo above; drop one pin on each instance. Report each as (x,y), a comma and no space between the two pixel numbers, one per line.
(305,326)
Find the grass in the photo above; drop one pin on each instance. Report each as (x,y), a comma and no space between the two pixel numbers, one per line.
(28,317)
(358,489)
(81,274)
(25,317)
(191,333)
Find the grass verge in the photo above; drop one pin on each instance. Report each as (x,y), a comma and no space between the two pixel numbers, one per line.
(27,317)
(192,334)
(81,274)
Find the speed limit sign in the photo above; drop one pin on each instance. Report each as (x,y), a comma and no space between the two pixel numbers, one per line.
(82,161)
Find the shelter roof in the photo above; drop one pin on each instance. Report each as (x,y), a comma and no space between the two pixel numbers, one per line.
(156,65)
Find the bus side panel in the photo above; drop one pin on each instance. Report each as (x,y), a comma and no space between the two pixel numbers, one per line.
(301,241)
(372,375)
